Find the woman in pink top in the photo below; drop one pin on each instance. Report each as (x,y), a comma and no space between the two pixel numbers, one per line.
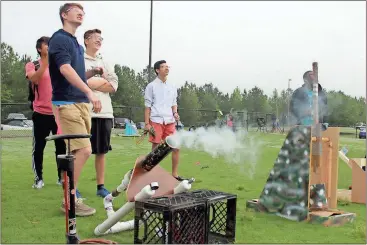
(230,121)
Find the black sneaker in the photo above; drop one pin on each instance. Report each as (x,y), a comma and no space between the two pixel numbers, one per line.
(179,178)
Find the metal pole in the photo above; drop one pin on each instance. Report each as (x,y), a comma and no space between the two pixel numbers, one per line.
(316,146)
(366,123)
(289,99)
(150,39)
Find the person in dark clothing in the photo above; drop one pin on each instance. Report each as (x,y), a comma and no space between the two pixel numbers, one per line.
(302,99)
(42,117)
(273,122)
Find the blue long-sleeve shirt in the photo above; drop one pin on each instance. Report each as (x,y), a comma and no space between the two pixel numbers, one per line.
(63,48)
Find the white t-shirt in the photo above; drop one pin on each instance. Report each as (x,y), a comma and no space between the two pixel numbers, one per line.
(107,110)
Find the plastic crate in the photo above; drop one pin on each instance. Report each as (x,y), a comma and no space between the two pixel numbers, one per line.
(170,219)
(221,215)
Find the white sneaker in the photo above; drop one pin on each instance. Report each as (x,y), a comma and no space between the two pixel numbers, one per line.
(38,184)
(59,182)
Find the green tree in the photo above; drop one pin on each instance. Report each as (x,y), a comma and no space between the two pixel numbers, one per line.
(198,102)
(189,102)
(236,100)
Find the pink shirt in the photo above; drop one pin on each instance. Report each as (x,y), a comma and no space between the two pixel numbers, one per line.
(42,102)
(229,123)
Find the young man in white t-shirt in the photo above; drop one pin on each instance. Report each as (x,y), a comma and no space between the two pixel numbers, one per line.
(161,110)
(102,86)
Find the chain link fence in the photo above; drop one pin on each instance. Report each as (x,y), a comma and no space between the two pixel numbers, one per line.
(16,119)
(258,121)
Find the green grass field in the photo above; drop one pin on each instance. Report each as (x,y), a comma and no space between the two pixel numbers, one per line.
(33,216)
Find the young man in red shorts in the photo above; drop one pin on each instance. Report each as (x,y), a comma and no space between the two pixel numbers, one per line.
(161,110)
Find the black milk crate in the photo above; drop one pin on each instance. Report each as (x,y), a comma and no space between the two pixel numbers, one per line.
(170,219)
(221,215)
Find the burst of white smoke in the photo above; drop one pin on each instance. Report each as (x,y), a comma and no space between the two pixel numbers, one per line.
(235,147)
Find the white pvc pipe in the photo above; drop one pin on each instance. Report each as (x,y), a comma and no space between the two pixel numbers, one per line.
(145,193)
(107,203)
(183,186)
(121,226)
(125,182)
(108,200)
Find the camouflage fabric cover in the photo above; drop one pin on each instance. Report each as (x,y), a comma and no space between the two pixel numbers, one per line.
(285,193)
(318,200)
(338,218)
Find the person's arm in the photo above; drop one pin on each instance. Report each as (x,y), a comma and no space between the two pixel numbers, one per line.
(59,52)
(174,109)
(73,78)
(91,73)
(106,88)
(33,75)
(98,83)
(174,106)
(148,102)
(107,84)
(111,78)
(294,104)
(147,116)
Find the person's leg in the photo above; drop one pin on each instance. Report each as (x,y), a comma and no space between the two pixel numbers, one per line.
(60,147)
(75,119)
(81,147)
(155,140)
(169,130)
(40,132)
(101,144)
(175,161)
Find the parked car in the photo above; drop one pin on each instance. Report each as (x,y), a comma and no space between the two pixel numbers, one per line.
(140,125)
(120,122)
(14,116)
(17,124)
(360,125)
(362,132)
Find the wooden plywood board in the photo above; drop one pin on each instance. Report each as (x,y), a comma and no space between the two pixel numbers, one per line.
(358,182)
(359,161)
(345,159)
(140,178)
(344,195)
(327,173)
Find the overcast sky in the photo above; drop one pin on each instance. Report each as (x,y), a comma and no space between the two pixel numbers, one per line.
(227,43)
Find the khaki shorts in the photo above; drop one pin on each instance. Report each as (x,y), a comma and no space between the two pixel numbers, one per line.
(74,119)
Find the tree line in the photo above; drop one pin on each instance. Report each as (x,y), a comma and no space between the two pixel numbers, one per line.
(197,103)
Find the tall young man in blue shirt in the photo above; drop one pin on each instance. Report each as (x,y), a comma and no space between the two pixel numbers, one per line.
(71,96)
(301,102)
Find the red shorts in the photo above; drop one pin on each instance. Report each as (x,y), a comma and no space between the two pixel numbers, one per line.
(161,131)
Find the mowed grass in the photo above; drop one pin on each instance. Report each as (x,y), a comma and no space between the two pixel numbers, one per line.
(33,216)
